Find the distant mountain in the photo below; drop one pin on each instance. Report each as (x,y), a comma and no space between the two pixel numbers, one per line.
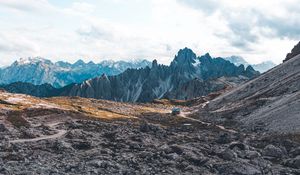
(40,71)
(264,66)
(261,67)
(237,60)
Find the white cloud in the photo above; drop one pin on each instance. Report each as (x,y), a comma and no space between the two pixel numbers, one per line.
(80,8)
(151,29)
(39,6)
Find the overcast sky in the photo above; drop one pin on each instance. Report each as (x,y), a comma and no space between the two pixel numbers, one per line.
(257,30)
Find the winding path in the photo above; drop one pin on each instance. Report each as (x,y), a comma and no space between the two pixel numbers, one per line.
(59,134)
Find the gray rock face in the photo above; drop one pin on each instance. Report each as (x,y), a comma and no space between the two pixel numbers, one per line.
(41,71)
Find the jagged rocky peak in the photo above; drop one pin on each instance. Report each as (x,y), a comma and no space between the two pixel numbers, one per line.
(249,68)
(91,63)
(185,56)
(154,63)
(104,76)
(205,57)
(295,51)
(79,62)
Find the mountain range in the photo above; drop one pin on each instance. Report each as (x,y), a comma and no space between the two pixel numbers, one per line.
(39,71)
(179,80)
(261,67)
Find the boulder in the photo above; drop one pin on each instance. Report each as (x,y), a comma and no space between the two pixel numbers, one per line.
(2,128)
(273,151)
(81,145)
(240,168)
(197,160)
(295,152)
(294,162)
(224,139)
(252,154)
(239,145)
(147,127)
(228,154)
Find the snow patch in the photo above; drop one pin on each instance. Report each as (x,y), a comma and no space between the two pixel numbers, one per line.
(197,63)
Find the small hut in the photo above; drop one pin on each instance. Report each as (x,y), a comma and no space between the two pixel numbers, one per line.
(176,111)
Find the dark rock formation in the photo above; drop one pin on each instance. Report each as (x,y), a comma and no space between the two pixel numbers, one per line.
(295,51)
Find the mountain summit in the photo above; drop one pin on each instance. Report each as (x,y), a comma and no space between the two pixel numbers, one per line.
(185,57)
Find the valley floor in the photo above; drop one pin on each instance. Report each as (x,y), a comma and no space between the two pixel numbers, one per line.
(87,136)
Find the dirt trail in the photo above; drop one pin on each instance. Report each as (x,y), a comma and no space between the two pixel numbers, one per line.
(185,115)
(60,133)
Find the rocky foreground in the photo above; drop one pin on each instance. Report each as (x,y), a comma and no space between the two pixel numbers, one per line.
(85,136)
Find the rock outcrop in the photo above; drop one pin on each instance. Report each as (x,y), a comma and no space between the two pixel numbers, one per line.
(295,51)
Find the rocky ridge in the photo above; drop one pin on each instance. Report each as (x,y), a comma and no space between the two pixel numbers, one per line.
(147,84)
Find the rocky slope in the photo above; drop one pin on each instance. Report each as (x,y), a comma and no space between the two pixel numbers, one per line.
(270,102)
(261,67)
(41,71)
(147,84)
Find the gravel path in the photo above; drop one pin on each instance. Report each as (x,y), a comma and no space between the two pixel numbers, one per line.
(59,134)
